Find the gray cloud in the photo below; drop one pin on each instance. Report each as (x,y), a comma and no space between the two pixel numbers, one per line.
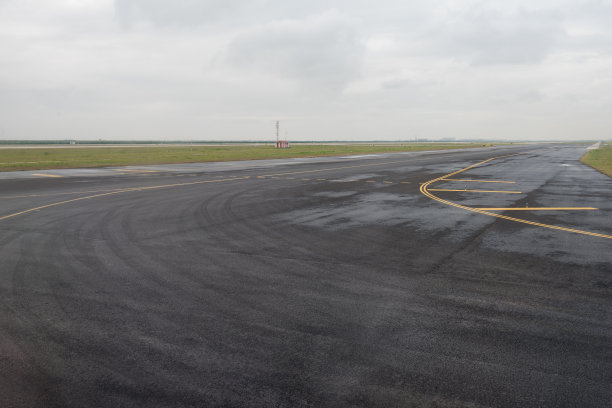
(328,68)
(322,51)
(530,96)
(484,35)
(397,83)
(174,13)
(192,13)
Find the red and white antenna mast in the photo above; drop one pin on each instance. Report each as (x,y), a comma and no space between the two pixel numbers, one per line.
(277,130)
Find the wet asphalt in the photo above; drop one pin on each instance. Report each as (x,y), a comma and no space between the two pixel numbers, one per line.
(330,282)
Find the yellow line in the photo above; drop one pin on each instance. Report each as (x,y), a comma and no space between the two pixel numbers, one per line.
(405,182)
(117,192)
(46,175)
(191,183)
(537,208)
(426,192)
(482,181)
(370,181)
(56,194)
(478,191)
(349,167)
(137,171)
(387,182)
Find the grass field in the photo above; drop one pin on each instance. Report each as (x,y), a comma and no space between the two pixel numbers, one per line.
(601,159)
(78,157)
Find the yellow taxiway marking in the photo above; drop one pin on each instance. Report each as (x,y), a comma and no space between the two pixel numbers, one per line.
(126,190)
(321,179)
(57,194)
(405,182)
(291,173)
(425,191)
(290,178)
(191,183)
(481,181)
(387,182)
(47,175)
(348,167)
(370,181)
(538,208)
(477,191)
(136,171)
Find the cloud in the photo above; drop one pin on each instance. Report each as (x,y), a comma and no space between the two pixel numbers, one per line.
(397,83)
(487,36)
(175,12)
(225,13)
(350,68)
(529,96)
(323,51)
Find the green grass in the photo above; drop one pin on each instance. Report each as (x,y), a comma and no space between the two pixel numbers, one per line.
(600,159)
(75,157)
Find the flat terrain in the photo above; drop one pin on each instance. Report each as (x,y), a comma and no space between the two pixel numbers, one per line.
(385,280)
(601,159)
(61,157)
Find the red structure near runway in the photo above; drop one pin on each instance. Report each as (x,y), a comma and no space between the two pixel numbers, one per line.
(280,144)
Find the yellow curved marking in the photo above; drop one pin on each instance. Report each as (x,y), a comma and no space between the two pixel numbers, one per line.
(264,176)
(136,171)
(539,208)
(483,181)
(47,175)
(125,190)
(425,192)
(478,191)
(202,182)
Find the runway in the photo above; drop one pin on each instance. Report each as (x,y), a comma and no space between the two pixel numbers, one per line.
(465,278)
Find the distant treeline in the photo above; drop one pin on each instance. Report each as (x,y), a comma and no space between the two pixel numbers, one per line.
(216,142)
(115,142)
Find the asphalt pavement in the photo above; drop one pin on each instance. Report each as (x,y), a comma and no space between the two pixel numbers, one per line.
(465,278)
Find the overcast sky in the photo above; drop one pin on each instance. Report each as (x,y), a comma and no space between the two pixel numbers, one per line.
(328,70)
